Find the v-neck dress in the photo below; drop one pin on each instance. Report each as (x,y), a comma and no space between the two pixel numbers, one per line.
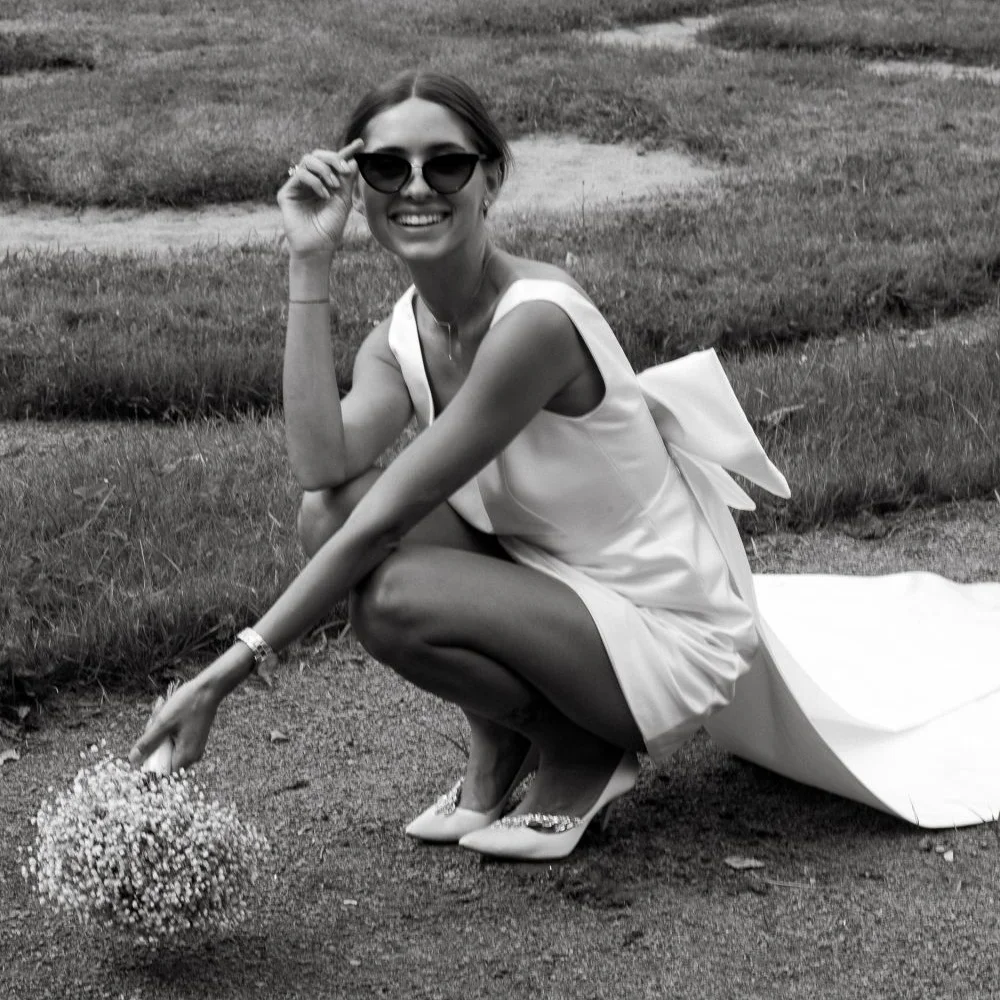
(884,689)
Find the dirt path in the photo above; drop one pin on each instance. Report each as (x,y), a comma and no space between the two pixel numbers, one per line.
(683,34)
(552,174)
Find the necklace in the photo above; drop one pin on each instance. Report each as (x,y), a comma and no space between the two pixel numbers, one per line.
(451,328)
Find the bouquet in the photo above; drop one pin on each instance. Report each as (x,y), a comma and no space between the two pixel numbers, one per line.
(145,853)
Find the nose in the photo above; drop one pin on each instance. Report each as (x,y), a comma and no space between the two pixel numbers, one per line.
(416,186)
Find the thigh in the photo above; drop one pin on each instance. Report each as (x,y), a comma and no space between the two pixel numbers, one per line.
(532,624)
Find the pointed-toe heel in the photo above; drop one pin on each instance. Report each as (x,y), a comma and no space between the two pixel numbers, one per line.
(446,822)
(546,837)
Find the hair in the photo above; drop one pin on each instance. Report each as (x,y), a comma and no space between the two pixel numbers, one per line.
(449,92)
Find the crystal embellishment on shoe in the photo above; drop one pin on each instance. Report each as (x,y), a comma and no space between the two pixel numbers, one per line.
(448,803)
(540,821)
(446,822)
(548,837)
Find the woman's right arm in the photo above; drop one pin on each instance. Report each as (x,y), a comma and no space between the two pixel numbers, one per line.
(330,441)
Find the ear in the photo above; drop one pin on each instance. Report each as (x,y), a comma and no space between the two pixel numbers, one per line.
(491,171)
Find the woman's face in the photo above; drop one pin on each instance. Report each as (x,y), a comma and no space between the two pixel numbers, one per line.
(417,223)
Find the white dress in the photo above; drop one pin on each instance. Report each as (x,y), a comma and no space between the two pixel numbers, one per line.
(629,506)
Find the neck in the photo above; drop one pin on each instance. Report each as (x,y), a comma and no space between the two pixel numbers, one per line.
(450,286)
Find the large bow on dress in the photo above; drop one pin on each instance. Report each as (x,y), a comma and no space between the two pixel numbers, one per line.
(884,689)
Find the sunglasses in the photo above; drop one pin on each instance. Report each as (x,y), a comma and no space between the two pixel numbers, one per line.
(446,173)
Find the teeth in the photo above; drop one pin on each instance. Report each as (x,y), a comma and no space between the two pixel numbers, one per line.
(419,220)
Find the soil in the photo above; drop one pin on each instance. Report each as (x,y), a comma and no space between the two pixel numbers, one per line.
(933,68)
(849,902)
(676,35)
(682,34)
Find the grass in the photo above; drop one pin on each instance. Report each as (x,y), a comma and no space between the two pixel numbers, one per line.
(962,31)
(209,105)
(115,578)
(26,52)
(849,206)
(760,266)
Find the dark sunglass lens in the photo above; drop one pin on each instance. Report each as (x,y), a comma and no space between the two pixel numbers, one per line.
(450,172)
(383,171)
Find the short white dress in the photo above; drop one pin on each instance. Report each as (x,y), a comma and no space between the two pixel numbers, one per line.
(629,506)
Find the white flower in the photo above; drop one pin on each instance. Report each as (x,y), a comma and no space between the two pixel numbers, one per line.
(130,849)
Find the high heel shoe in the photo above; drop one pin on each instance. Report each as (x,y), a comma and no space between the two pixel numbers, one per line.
(446,822)
(545,837)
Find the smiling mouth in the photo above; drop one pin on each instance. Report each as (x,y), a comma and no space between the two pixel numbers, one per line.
(418,220)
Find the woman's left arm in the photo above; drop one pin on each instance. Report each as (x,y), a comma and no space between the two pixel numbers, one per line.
(522,363)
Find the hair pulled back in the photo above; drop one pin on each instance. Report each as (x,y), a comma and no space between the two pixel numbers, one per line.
(439,88)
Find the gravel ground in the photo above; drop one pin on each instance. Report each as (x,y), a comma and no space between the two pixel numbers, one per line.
(849,902)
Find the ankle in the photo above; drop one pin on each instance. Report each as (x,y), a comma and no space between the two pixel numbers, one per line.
(490,773)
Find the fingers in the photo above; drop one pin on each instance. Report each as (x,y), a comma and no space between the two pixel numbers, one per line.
(145,744)
(323,171)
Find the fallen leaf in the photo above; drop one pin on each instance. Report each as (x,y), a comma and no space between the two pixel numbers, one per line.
(948,856)
(6,755)
(277,736)
(743,864)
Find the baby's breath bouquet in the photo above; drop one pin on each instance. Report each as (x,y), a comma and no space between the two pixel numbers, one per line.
(144,853)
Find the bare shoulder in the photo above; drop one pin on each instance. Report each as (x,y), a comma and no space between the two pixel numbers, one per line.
(375,346)
(523,268)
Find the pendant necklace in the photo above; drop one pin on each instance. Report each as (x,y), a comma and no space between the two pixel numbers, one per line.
(450,328)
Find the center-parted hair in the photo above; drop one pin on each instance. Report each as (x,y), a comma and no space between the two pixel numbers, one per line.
(439,88)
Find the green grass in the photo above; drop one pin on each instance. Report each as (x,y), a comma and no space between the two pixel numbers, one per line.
(963,31)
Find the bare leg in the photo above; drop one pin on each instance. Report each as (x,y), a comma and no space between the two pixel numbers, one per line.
(496,752)
(510,645)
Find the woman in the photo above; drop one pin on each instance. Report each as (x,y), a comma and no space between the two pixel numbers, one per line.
(536,555)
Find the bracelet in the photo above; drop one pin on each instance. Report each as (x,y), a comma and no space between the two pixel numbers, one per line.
(262,652)
(309,302)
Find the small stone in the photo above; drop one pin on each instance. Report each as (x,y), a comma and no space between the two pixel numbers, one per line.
(948,856)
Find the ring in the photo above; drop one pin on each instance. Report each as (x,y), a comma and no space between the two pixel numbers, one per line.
(293,170)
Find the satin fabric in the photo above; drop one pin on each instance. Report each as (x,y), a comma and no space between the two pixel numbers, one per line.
(882,689)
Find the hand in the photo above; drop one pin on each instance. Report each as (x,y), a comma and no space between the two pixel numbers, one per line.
(316,200)
(185,718)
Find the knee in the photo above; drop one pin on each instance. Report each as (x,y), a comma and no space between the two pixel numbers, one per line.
(385,612)
(321,513)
